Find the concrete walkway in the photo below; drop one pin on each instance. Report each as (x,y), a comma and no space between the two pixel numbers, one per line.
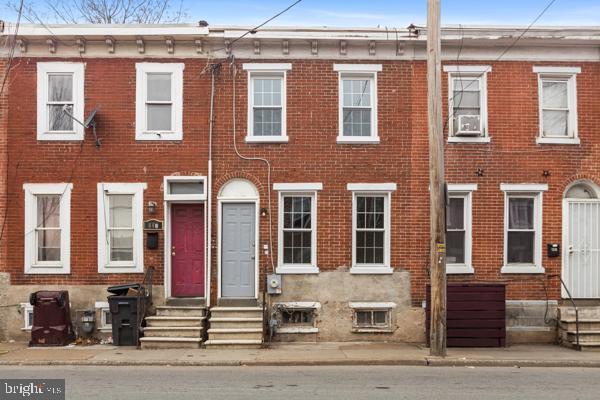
(299,354)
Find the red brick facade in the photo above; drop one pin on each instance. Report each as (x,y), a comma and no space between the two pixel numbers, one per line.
(311,155)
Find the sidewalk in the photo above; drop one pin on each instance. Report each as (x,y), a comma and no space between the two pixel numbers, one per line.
(300,354)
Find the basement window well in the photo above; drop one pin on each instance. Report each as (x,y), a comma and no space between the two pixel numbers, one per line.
(297,317)
(372,317)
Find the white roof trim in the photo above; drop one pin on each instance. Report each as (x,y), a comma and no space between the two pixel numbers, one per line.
(108,30)
(523,187)
(557,70)
(357,67)
(267,66)
(480,69)
(297,187)
(371,187)
(372,304)
(462,187)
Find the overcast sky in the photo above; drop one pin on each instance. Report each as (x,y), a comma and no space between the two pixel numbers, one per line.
(390,13)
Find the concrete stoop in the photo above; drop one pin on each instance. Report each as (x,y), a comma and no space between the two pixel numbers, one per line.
(235,327)
(174,327)
(589,327)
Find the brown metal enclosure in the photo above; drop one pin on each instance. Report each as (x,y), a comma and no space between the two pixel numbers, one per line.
(476,315)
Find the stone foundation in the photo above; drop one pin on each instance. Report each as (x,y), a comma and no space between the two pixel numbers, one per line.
(525,321)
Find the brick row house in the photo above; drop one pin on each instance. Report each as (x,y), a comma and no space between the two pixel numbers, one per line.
(300,153)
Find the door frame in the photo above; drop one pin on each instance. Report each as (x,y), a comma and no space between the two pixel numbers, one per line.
(247,200)
(168,201)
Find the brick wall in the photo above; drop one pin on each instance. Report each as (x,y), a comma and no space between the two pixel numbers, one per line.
(311,155)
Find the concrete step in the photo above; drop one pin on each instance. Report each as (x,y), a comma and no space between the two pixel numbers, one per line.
(177,311)
(233,344)
(239,322)
(185,301)
(236,312)
(584,324)
(584,336)
(235,334)
(586,312)
(174,321)
(170,331)
(170,343)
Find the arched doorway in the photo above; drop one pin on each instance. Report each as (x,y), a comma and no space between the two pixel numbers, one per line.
(238,203)
(581,240)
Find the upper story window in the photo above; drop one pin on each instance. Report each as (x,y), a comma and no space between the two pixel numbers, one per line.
(297,249)
(467,103)
(459,229)
(557,92)
(357,102)
(371,227)
(267,102)
(523,228)
(159,101)
(47,228)
(60,99)
(120,220)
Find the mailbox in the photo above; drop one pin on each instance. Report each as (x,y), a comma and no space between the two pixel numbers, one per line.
(553,250)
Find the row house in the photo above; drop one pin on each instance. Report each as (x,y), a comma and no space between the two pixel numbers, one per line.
(283,175)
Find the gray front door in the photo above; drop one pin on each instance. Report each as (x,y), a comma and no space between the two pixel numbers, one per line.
(238,250)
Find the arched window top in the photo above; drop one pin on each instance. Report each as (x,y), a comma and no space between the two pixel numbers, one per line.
(582,190)
(238,189)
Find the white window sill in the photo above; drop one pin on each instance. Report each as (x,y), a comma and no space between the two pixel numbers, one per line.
(374,270)
(134,269)
(266,139)
(459,269)
(372,330)
(556,140)
(289,269)
(46,270)
(358,139)
(466,139)
(522,269)
(298,329)
(60,136)
(372,305)
(164,137)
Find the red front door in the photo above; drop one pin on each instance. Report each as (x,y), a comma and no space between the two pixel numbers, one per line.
(187,250)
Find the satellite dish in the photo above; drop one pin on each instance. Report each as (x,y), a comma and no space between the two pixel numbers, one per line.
(90,119)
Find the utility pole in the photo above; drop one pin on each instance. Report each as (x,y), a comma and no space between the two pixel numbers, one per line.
(437,195)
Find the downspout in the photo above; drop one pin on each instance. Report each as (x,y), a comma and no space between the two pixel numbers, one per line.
(213,71)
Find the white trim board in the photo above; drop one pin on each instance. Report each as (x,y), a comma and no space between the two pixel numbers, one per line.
(468,69)
(371,187)
(301,187)
(267,66)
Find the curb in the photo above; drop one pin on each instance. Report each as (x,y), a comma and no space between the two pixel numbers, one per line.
(426,362)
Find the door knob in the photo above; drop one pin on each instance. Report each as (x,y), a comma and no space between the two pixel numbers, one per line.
(571,249)
(173,253)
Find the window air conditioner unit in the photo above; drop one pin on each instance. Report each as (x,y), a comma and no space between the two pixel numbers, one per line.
(469,125)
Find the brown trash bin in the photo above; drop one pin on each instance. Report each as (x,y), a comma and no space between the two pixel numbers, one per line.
(51,319)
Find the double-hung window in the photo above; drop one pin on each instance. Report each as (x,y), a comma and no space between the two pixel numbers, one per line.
(297,250)
(371,227)
(467,103)
(523,228)
(357,102)
(159,101)
(47,228)
(60,100)
(459,229)
(120,219)
(557,89)
(267,102)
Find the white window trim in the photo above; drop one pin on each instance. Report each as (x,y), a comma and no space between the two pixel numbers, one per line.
(569,75)
(78,71)
(303,305)
(536,192)
(183,197)
(26,309)
(372,306)
(465,191)
(101,307)
(176,71)
(374,189)
(274,70)
(137,190)
(468,71)
(47,267)
(305,189)
(358,70)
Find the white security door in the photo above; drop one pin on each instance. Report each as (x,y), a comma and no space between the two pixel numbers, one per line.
(581,270)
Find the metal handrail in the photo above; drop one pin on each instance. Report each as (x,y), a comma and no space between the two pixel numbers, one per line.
(144,298)
(576,310)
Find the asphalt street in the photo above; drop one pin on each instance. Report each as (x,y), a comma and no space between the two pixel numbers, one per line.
(350,382)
